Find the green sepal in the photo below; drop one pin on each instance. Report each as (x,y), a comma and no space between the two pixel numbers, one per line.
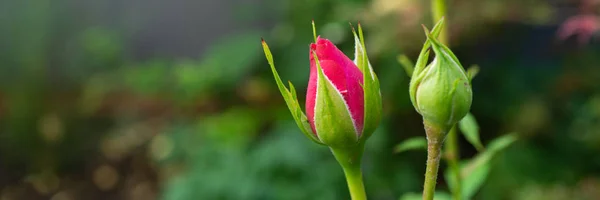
(452,93)
(442,51)
(372,93)
(417,76)
(290,99)
(333,122)
(422,61)
(473,71)
(415,81)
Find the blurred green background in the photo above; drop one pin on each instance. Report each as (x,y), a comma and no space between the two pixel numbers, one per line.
(174,100)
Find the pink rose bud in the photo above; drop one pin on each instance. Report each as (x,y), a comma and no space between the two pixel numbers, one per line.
(343,102)
(338,115)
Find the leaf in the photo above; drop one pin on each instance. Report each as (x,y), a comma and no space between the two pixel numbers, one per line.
(414,143)
(439,195)
(407,64)
(474,172)
(468,126)
(290,99)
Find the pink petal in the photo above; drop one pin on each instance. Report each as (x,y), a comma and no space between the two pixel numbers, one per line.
(345,76)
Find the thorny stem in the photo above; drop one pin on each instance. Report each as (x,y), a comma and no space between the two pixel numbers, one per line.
(435,139)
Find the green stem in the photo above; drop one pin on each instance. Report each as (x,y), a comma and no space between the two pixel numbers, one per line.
(435,139)
(349,159)
(355,183)
(438,10)
(452,152)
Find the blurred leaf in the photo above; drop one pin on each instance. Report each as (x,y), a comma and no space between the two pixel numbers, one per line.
(474,172)
(411,144)
(439,195)
(231,57)
(274,168)
(468,126)
(94,91)
(295,62)
(101,44)
(220,68)
(178,188)
(234,128)
(407,64)
(192,80)
(147,78)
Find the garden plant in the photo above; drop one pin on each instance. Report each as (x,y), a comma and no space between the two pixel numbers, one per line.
(343,107)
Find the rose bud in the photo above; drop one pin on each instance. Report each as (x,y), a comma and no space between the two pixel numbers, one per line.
(343,101)
(343,104)
(441,91)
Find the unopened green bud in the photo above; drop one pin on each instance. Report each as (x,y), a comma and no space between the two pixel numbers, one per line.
(441,91)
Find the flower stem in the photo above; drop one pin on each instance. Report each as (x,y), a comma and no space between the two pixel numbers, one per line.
(438,10)
(435,139)
(355,183)
(349,159)
(451,154)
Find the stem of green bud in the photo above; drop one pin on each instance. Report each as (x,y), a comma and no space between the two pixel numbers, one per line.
(435,139)
(438,10)
(349,159)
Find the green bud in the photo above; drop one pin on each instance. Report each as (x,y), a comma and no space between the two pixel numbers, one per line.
(441,91)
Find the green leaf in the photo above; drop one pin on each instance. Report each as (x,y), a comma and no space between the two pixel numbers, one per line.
(411,144)
(468,126)
(372,93)
(474,172)
(407,64)
(439,195)
(290,99)
(335,126)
